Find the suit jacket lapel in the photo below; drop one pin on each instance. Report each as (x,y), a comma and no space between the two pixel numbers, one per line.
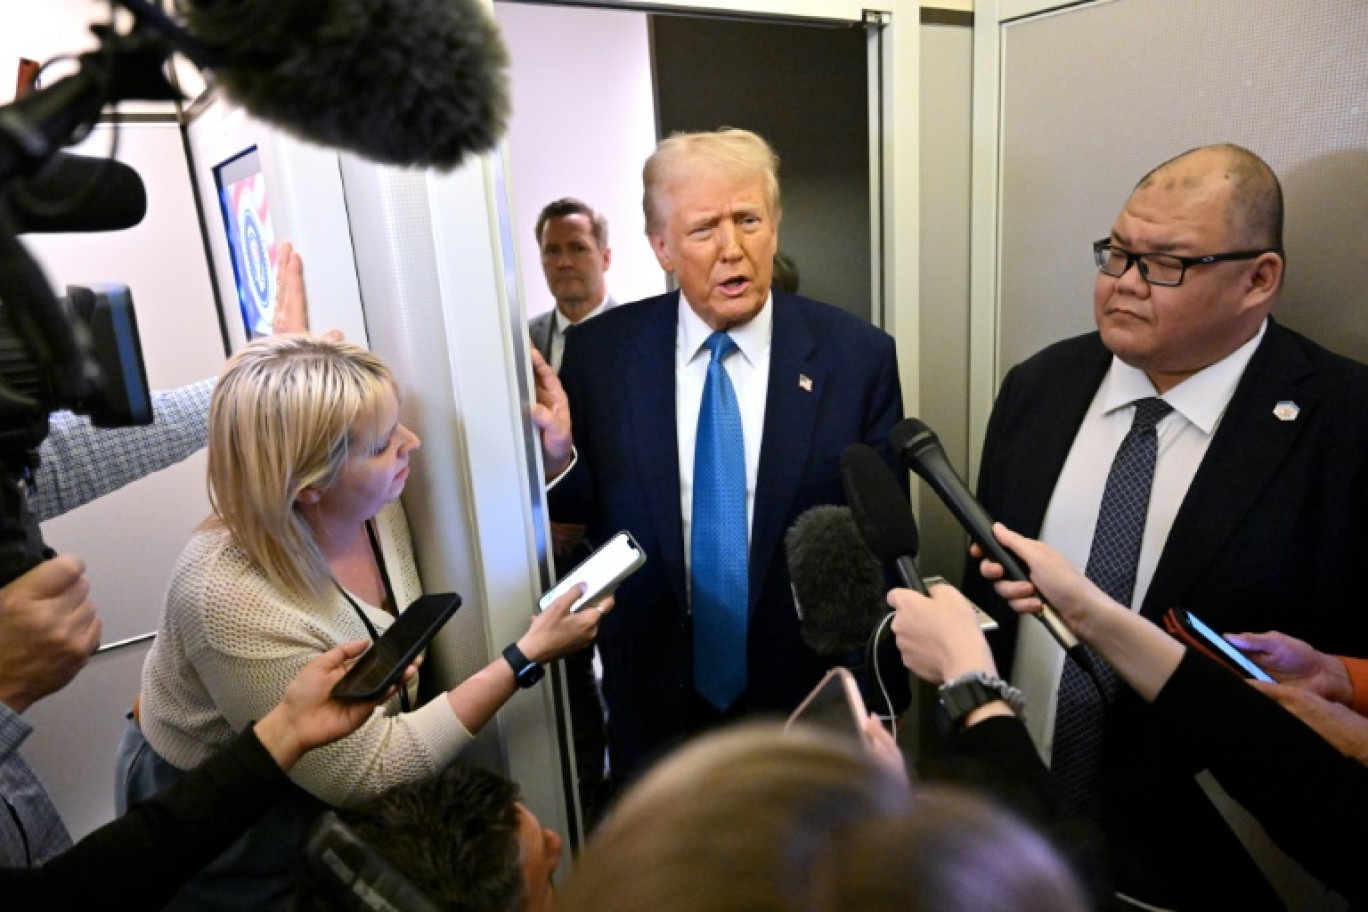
(1041,458)
(649,375)
(1250,445)
(790,419)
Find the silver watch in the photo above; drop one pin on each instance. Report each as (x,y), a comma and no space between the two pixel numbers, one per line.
(973,689)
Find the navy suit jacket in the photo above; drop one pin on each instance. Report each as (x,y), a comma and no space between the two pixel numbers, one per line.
(619,374)
(1270,536)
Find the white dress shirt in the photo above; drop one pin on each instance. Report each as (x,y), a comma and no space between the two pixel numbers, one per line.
(748,370)
(1184,435)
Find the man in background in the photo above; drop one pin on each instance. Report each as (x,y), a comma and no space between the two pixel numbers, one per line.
(573,240)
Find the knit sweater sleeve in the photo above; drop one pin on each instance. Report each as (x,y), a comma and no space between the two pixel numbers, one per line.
(233,642)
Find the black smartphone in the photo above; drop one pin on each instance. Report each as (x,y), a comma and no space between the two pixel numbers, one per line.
(1190,629)
(380,667)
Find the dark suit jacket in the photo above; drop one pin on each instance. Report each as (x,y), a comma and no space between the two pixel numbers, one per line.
(1271,535)
(540,327)
(619,374)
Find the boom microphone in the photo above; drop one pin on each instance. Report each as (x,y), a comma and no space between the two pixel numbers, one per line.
(881,512)
(920,449)
(405,82)
(79,193)
(837,584)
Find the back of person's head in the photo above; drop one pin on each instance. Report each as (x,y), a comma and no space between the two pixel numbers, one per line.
(734,153)
(953,852)
(568,206)
(285,414)
(452,837)
(742,819)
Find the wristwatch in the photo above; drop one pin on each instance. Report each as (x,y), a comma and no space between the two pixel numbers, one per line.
(963,695)
(526,671)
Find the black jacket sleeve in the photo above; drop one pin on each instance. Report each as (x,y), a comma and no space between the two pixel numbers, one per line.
(141,859)
(1310,798)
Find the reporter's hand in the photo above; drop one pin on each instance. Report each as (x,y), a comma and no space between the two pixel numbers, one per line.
(1059,582)
(307,716)
(1340,725)
(292,301)
(1298,664)
(555,632)
(939,637)
(883,748)
(48,630)
(551,414)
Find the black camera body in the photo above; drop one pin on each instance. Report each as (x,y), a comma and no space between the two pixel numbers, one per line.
(111,390)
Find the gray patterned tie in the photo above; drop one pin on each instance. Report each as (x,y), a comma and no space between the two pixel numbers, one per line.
(1080,714)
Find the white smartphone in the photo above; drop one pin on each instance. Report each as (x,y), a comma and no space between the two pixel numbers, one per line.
(834,704)
(601,572)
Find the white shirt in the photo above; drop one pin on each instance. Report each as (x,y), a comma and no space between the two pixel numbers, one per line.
(559,324)
(1184,434)
(748,370)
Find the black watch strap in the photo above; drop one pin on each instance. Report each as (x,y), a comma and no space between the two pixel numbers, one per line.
(526,671)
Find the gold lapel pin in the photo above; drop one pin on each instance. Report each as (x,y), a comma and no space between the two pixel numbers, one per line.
(1286,411)
(805,382)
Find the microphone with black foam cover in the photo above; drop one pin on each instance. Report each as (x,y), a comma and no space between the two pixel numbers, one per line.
(406,82)
(920,450)
(78,193)
(881,512)
(838,586)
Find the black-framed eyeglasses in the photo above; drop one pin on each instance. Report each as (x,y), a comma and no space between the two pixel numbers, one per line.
(1166,269)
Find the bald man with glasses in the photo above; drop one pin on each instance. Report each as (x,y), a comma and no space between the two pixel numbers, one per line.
(1256,481)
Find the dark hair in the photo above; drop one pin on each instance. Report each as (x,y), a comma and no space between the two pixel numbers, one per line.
(453,835)
(571,206)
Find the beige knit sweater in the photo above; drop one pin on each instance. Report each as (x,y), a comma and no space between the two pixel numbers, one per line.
(228,644)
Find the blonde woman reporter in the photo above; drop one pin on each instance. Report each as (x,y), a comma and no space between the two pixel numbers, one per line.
(305,449)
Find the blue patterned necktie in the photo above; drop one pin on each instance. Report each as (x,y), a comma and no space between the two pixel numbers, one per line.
(718,555)
(1080,714)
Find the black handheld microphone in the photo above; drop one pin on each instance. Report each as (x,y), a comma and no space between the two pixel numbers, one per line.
(78,193)
(920,449)
(881,512)
(405,82)
(838,585)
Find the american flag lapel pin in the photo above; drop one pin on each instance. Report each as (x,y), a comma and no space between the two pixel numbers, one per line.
(1286,410)
(805,382)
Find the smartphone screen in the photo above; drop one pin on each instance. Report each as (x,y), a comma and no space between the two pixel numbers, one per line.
(1220,642)
(600,572)
(380,667)
(835,704)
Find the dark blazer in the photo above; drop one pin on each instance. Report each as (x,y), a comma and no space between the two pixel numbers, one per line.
(540,327)
(1270,536)
(619,373)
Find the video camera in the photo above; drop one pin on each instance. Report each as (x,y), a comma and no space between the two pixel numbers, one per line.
(79,352)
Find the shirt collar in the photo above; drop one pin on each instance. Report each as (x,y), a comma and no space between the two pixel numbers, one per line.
(753,337)
(562,324)
(1201,398)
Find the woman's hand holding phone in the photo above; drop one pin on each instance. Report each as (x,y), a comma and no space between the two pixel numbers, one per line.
(307,716)
(557,631)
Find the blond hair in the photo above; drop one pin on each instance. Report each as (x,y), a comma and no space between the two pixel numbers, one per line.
(285,414)
(736,153)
